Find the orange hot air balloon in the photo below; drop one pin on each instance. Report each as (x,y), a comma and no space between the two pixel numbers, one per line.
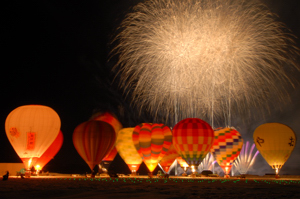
(182,162)
(192,139)
(152,141)
(50,152)
(114,122)
(227,147)
(169,158)
(93,140)
(31,129)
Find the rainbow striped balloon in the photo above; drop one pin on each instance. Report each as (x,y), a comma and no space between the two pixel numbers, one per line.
(193,139)
(227,147)
(152,141)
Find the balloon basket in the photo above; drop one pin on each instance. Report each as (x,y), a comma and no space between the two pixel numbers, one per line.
(277,176)
(150,175)
(226,176)
(27,174)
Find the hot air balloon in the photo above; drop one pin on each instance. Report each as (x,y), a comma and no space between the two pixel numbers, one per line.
(93,140)
(31,129)
(192,139)
(227,147)
(152,141)
(183,164)
(114,122)
(49,153)
(124,145)
(275,143)
(168,159)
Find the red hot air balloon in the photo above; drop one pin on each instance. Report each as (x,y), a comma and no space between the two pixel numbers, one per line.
(93,140)
(114,122)
(227,147)
(192,139)
(31,129)
(50,152)
(152,141)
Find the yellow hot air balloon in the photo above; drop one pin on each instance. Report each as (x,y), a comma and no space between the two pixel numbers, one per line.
(127,150)
(275,143)
(31,129)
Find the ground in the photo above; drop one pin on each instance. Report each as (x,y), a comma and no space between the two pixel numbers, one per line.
(68,186)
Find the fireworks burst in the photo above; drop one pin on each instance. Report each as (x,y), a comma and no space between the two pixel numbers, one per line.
(202,58)
(207,163)
(246,159)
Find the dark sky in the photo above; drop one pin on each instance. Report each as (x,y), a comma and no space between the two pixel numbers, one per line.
(54,53)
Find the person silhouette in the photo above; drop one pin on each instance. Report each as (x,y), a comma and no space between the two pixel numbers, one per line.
(5,177)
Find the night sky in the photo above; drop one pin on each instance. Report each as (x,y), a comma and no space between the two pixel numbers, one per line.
(55,53)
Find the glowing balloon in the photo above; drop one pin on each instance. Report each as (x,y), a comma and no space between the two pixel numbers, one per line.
(275,143)
(93,140)
(227,147)
(31,129)
(152,141)
(110,119)
(169,158)
(127,151)
(193,139)
(50,152)
(182,162)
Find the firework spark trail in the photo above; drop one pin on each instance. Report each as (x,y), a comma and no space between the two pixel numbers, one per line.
(207,163)
(245,160)
(198,58)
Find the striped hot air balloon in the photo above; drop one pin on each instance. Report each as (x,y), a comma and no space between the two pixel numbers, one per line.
(93,140)
(152,141)
(193,138)
(227,147)
(124,145)
(169,158)
(183,164)
(116,124)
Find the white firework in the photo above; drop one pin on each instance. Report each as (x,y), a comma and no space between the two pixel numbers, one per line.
(203,58)
(246,159)
(207,163)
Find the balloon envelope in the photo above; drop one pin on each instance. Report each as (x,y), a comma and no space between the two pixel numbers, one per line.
(127,151)
(152,141)
(275,143)
(93,140)
(50,152)
(192,139)
(114,122)
(227,147)
(182,162)
(169,158)
(31,129)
